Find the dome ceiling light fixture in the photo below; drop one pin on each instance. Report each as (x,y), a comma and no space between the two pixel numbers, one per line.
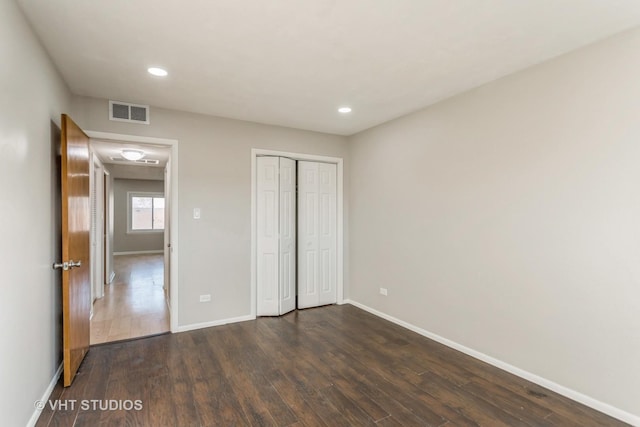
(132,155)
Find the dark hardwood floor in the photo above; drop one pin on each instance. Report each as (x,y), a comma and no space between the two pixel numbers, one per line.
(333,366)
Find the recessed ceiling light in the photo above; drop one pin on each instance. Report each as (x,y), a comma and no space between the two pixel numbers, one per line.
(160,72)
(344,110)
(132,155)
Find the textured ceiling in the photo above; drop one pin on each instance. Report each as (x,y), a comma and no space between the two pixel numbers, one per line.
(293,62)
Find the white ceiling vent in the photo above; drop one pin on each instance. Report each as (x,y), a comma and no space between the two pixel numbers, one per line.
(148,161)
(139,161)
(130,113)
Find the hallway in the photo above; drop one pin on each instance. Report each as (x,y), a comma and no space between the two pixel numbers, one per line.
(134,304)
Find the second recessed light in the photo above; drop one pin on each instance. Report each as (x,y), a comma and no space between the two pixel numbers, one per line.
(344,110)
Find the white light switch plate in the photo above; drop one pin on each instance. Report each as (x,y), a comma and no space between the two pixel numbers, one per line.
(196,213)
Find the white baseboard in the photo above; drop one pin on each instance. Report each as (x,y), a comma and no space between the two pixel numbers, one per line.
(45,397)
(560,389)
(159,251)
(194,326)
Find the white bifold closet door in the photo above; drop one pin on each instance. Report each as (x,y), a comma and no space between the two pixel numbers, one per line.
(317,242)
(276,235)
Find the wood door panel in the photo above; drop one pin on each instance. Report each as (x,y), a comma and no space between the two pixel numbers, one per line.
(76,221)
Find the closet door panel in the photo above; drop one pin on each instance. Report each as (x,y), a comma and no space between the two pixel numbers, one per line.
(317,240)
(268,248)
(327,233)
(287,281)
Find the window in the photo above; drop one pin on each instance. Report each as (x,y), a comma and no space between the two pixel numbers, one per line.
(146,212)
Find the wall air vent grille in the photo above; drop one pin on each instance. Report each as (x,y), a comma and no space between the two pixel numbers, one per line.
(130,113)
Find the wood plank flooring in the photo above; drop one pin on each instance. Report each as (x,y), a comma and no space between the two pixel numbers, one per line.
(134,304)
(329,366)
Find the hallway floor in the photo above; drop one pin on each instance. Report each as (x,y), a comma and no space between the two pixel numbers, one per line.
(134,304)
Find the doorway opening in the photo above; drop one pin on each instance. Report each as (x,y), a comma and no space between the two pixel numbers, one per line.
(132,225)
(296,231)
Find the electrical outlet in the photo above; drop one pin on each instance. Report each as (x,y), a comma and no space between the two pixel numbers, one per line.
(205,298)
(383,291)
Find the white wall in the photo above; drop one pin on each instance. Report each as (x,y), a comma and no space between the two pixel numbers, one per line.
(30,309)
(507,219)
(136,172)
(214,173)
(133,242)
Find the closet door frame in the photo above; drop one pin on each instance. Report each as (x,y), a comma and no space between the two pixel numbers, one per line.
(255,153)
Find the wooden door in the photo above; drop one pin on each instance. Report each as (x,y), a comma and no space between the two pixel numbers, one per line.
(317,241)
(76,224)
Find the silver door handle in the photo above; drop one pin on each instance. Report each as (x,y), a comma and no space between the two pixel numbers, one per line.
(67,265)
(62,265)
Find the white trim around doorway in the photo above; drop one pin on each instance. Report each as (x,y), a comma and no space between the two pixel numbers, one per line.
(173,145)
(255,153)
